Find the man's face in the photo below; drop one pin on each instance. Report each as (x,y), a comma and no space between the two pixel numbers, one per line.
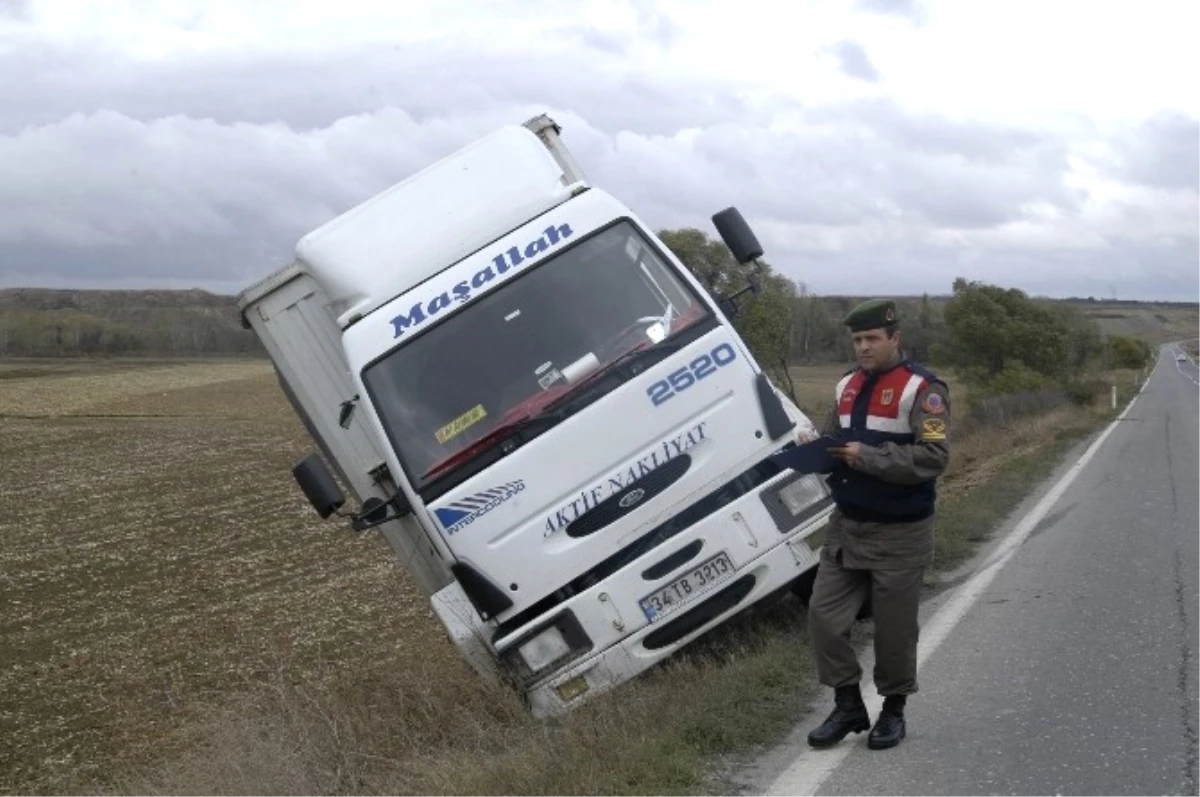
(874,349)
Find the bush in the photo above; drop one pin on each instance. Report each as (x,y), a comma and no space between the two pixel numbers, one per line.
(1126,352)
(1084,391)
(999,337)
(1015,378)
(1003,408)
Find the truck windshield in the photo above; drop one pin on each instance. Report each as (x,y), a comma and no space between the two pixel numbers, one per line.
(496,366)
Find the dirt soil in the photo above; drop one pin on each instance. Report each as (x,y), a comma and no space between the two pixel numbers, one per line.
(157,554)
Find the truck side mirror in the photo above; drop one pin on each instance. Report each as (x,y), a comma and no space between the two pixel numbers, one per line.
(318,485)
(737,235)
(740,239)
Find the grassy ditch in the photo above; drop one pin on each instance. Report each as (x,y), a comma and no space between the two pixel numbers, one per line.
(386,731)
(184,625)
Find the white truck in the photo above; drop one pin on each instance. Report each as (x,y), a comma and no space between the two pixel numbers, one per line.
(555,427)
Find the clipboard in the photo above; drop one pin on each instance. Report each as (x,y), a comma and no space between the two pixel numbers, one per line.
(810,457)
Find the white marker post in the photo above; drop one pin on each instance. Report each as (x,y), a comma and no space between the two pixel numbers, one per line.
(1114,397)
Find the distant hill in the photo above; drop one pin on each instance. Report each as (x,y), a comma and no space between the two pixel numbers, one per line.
(1153,322)
(36,322)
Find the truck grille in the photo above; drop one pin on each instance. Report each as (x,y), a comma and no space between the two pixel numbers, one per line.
(610,509)
(733,489)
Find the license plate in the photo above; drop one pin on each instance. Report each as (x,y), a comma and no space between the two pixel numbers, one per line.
(696,581)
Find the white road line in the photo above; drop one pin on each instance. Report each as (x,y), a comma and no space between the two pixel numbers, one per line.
(1179,367)
(812,767)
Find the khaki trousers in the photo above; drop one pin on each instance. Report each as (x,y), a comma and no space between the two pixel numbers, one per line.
(837,595)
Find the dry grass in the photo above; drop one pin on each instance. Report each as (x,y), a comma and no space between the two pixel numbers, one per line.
(814,388)
(45,389)
(424,731)
(979,456)
(152,564)
(178,621)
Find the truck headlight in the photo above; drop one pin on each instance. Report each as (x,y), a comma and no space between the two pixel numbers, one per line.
(795,500)
(553,643)
(544,649)
(800,494)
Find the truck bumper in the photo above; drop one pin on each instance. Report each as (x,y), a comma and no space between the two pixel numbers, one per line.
(765,561)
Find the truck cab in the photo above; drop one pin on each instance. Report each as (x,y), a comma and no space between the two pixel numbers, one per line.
(568,437)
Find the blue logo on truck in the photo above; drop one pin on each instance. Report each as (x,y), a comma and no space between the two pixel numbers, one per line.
(459,514)
(503,265)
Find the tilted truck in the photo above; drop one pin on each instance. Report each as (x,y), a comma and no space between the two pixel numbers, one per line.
(553,424)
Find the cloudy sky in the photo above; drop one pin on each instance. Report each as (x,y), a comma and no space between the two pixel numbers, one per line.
(876,146)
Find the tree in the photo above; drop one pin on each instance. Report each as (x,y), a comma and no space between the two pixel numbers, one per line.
(925,316)
(920,335)
(816,337)
(995,332)
(1084,341)
(767,321)
(710,261)
(1126,352)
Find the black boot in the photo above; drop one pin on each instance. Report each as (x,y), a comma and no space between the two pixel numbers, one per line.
(849,716)
(889,728)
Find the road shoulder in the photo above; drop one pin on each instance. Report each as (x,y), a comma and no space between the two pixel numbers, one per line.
(756,772)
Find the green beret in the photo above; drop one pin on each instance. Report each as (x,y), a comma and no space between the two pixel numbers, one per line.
(873,314)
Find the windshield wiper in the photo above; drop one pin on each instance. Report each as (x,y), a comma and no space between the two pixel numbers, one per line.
(667,318)
(493,438)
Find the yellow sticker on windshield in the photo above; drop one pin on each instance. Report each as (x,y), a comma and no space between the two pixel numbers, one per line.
(461,423)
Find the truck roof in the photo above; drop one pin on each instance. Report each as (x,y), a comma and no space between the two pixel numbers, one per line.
(426,223)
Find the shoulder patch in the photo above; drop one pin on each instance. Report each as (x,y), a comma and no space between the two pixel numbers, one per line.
(933,404)
(933,429)
(921,370)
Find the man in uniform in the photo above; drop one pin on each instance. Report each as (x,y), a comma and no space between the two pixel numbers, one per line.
(892,420)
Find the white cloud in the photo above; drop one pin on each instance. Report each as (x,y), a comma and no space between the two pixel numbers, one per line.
(854,61)
(14,9)
(881,146)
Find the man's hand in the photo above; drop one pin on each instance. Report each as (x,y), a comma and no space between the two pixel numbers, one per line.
(851,453)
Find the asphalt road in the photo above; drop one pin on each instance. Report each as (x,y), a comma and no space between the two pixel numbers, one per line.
(1075,671)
